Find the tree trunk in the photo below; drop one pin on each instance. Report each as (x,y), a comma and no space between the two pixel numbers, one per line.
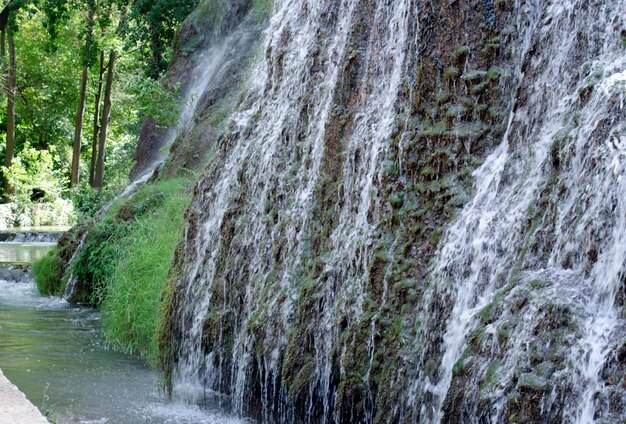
(104,126)
(11,90)
(96,123)
(78,130)
(80,113)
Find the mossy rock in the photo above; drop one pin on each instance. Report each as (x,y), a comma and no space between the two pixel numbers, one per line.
(474,76)
(397,200)
(493,73)
(479,89)
(459,54)
(443,98)
(451,72)
(463,363)
(545,369)
(531,382)
(456,111)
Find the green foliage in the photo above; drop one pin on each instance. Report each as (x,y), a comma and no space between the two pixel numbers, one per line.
(155,101)
(152,25)
(48,274)
(54,40)
(88,201)
(32,174)
(125,263)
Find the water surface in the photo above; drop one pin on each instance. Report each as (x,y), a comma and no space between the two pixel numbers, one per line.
(23,253)
(55,354)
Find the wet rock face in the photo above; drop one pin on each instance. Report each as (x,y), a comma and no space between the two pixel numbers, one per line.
(376,131)
(365,247)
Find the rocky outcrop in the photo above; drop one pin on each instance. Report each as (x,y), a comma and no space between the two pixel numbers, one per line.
(312,230)
(212,51)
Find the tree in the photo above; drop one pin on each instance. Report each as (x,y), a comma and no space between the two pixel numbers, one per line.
(8,26)
(87,63)
(104,126)
(54,85)
(11,90)
(96,121)
(152,24)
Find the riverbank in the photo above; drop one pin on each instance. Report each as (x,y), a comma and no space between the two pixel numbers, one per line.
(15,407)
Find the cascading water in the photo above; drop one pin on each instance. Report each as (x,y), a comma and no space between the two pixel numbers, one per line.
(279,166)
(282,304)
(583,111)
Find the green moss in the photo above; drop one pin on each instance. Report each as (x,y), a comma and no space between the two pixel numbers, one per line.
(435,237)
(479,89)
(443,98)
(545,369)
(474,75)
(437,130)
(391,168)
(465,130)
(48,274)
(493,73)
(468,102)
(456,111)
(396,200)
(462,363)
(459,54)
(486,315)
(534,383)
(490,375)
(537,284)
(451,72)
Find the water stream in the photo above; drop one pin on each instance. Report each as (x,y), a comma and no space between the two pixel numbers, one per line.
(56,355)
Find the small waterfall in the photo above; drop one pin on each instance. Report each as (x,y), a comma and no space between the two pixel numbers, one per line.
(30,236)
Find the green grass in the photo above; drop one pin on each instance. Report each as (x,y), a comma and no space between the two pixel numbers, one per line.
(48,273)
(124,265)
(132,302)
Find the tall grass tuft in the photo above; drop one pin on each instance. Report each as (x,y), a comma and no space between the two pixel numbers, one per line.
(48,272)
(124,267)
(124,264)
(134,290)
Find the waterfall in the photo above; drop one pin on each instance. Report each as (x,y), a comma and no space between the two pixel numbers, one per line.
(283,310)
(583,111)
(279,165)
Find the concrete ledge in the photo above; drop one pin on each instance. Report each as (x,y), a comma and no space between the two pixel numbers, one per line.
(15,408)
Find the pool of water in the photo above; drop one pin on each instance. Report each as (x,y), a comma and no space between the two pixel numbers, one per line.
(54,353)
(23,253)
